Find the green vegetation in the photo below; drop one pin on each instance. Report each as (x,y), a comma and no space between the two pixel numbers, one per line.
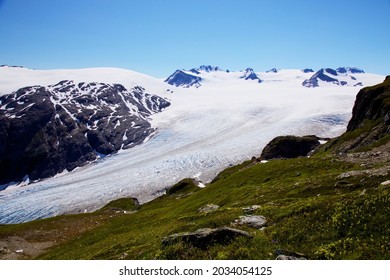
(308,209)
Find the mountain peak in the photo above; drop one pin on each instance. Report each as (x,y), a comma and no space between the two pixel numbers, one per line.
(341,76)
(273,70)
(351,70)
(249,74)
(307,70)
(184,79)
(208,68)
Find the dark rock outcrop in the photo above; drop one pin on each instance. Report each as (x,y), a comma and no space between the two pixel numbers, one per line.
(369,126)
(184,186)
(352,70)
(249,74)
(46,130)
(289,147)
(324,75)
(307,70)
(273,70)
(342,76)
(372,104)
(183,79)
(206,236)
(209,68)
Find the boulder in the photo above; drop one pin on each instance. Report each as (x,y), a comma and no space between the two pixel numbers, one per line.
(289,147)
(251,209)
(252,221)
(288,255)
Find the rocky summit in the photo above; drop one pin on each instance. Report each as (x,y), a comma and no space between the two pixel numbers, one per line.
(46,130)
(342,76)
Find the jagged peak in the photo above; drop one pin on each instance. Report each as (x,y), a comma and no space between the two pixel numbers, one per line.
(273,70)
(182,78)
(249,70)
(351,70)
(208,68)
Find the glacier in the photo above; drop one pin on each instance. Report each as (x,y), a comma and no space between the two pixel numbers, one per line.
(206,129)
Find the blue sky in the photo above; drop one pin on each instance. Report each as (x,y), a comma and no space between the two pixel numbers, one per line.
(156,37)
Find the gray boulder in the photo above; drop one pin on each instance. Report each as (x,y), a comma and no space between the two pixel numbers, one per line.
(252,221)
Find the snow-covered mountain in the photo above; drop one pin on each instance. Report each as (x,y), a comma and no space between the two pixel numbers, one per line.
(342,76)
(184,79)
(224,121)
(249,74)
(207,74)
(46,130)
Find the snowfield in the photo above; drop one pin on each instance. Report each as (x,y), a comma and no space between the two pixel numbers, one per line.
(225,121)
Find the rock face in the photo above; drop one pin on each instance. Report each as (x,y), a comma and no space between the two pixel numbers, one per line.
(370,117)
(46,130)
(181,78)
(249,74)
(206,236)
(372,103)
(342,76)
(289,147)
(209,68)
(307,70)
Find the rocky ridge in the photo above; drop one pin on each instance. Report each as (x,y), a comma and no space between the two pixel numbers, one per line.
(46,130)
(342,76)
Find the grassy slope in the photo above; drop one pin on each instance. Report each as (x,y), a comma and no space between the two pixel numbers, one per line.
(306,213)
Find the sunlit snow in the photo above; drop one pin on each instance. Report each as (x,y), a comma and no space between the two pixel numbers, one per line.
(225,121)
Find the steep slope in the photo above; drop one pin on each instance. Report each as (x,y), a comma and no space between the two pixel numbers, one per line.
(370,122)
(46,130)
(184,79)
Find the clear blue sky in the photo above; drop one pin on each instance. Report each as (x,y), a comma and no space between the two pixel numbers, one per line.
(158,36)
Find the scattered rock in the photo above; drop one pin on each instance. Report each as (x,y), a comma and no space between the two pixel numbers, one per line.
(383,171)
(385,183)
(252,221)
(287,255)
(284,257)
(208,208)
(251,209)
(206,236)
(4,250)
